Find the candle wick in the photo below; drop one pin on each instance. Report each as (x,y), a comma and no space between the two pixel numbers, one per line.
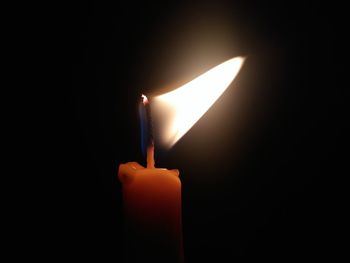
(150,156)
(146,115)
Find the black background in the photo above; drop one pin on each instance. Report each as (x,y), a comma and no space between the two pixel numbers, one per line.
(259,171)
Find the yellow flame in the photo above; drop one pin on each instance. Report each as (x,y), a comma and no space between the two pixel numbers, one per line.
(189,102)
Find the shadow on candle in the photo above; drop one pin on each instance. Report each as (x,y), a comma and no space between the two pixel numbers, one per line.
(152,213)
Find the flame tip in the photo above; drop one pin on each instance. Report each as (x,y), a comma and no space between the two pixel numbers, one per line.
(184,107)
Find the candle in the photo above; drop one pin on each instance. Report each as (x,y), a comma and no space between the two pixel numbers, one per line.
(152,196)
(152,208)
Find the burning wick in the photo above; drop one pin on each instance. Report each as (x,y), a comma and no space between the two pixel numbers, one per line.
(147,131)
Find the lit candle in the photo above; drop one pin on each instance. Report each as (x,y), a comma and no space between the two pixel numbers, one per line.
(152,203)
(152,196)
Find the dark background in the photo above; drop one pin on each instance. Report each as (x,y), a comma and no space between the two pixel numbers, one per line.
(259,171)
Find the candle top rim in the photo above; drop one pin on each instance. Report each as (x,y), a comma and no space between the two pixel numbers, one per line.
(128,171)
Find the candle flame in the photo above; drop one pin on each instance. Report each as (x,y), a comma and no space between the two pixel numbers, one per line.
(183,107)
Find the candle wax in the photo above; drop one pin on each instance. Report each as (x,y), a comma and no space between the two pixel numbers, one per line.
(152,212)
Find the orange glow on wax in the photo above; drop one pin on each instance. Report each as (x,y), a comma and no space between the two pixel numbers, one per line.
(152,212)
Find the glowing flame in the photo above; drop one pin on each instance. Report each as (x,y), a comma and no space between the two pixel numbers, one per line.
(183,107)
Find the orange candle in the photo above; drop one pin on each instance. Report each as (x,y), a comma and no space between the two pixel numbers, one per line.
(152,211)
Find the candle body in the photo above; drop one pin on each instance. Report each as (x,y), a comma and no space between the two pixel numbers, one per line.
(152,212)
